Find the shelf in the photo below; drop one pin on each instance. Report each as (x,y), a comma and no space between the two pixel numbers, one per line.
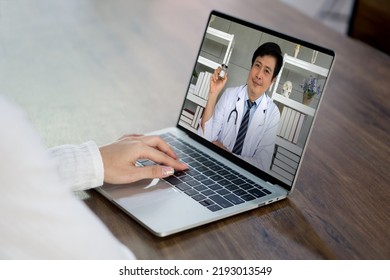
(276,172)
(293,104)
(197,99)
(288,146)
(296,64)
(290,125)
(197,102)
(209,63)
(219,36)
(187,126)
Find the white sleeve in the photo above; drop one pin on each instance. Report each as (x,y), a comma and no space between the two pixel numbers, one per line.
(214,125)
(207,133)
(40,216)
(79,166)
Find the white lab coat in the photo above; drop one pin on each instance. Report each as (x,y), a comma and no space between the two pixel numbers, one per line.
(259,144)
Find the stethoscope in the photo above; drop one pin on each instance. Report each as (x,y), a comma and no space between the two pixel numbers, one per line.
(234,111)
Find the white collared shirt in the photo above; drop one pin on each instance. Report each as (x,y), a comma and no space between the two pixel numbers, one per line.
(253,109)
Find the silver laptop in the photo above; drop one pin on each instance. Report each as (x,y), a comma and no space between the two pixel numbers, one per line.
(221,180)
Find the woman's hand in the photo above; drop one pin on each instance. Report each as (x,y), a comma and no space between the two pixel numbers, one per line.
(119,159)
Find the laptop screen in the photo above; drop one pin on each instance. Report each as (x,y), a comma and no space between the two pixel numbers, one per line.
(254,94)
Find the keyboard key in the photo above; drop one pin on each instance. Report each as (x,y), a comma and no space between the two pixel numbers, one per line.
(257,193)
(200,188)
(200,177)
(216,177)
(209,173)
(220,201)
(186,159)
(191,192)
(182,186)
(223,191)
(203,169)
(238,181)
(173,180)
(208,192)
(230,177)
(232,187)
(206,202)
(215,187)
(213,166)
(193,183)
(195,164)
(214,208)
(208,163)
(224,182)
(183,157)
(234,199)
(185,178)
(240,192)
(217,168)
(180,173)
(193,154)
(186,150)
(202,159)
(257,186)
(199,197)
(224,172)
(266,191)
(208,182)
(248,197)
(246,186)
(192,172)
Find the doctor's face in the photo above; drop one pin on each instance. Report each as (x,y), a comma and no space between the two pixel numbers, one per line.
(260,76)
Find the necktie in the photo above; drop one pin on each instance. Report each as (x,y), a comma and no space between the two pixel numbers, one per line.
(242,131)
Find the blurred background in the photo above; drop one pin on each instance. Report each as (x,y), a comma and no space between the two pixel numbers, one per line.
(334,13)
(365,20)
(76,67)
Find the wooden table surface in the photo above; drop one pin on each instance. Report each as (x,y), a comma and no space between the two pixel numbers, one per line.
(98,69)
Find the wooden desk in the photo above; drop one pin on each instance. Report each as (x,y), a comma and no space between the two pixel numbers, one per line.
(99,69)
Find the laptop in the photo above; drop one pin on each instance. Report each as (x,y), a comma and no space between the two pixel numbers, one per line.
(220,183)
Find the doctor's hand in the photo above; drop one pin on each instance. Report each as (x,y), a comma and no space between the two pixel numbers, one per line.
(216,83)
(119,159)
(216,86)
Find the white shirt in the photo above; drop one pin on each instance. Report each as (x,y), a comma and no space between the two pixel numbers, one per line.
(40,216)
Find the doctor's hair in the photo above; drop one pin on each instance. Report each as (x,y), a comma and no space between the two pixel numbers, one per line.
(271,49)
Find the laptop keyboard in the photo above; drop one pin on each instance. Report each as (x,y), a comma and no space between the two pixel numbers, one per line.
(211,183)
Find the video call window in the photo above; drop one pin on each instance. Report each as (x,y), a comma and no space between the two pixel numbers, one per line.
(293,96)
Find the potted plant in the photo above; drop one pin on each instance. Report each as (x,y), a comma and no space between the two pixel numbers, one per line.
(310,89)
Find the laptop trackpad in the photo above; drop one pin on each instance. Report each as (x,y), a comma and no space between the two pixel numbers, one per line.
(140,193)
(158,206)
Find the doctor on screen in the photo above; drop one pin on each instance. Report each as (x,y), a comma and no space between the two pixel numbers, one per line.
(245,120)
